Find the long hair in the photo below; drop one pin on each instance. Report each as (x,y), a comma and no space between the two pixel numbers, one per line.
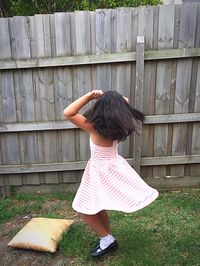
(113,117)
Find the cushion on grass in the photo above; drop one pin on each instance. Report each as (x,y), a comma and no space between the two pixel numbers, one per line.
(41,234)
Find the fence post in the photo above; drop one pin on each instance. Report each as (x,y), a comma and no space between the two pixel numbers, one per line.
(138,99)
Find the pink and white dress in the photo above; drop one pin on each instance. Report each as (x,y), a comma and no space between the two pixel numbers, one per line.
(110,183)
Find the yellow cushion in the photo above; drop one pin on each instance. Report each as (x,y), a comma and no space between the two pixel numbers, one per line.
(41,234)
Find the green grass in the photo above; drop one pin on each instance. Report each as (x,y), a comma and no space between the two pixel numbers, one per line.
(165,233)
(10,208)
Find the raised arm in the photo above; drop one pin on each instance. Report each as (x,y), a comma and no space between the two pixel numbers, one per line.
(71,112)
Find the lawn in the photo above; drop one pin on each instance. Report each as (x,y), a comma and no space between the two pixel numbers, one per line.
(167,232)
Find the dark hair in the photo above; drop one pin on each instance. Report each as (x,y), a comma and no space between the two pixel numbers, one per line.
(113,117)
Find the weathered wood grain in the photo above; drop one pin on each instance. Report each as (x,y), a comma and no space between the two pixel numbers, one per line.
(183,81)
(97,59)
(9,143)
(139,100)
(58,125)
(123,81)
(150,20)
(83,74)
(103,46)
(163,84)
(195,148)
(24,92)
(64,55)
(80,165)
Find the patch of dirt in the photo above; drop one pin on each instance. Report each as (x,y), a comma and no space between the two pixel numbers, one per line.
(60,208)
(20,257)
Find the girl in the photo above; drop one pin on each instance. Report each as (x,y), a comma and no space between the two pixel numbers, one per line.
(108,182)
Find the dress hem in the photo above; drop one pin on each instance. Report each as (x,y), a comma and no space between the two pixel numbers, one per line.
(134,209)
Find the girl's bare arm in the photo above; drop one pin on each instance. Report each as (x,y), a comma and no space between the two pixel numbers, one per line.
(71,112)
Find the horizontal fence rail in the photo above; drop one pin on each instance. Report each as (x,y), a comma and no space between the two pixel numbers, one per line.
(99,59)
(58,125)
(80,165)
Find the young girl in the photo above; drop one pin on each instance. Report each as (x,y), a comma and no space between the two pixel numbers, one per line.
(108,182)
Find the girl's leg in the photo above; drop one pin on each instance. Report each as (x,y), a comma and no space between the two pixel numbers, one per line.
(95,224)
(101,225)
(103,216)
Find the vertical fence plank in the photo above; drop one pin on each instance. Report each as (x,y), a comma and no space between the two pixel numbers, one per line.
(173,84)
(194,128)
(103,45)
(134,27)
(93,47)
(163,83)
(113,47)
(76,147)
(195,149)
(62,34)
(51,139)
(55,46)
(9,143)
(5,49)
(192,90)
(183,80)
(138,98)
(35,22)
(83,80)
(44,94)
(123,72)
(19,29)
(63,90)
(149,19)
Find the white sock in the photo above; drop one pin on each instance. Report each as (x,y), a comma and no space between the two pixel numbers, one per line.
(106,241)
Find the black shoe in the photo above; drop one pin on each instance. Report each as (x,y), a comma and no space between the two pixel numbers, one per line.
(95,248)
(98,252)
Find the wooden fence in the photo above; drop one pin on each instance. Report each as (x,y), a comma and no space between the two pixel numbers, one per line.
(46,61)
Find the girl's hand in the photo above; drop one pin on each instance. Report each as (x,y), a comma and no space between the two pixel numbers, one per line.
(94,94)
(125,98)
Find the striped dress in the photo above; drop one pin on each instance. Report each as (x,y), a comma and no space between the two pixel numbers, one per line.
(110,183)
